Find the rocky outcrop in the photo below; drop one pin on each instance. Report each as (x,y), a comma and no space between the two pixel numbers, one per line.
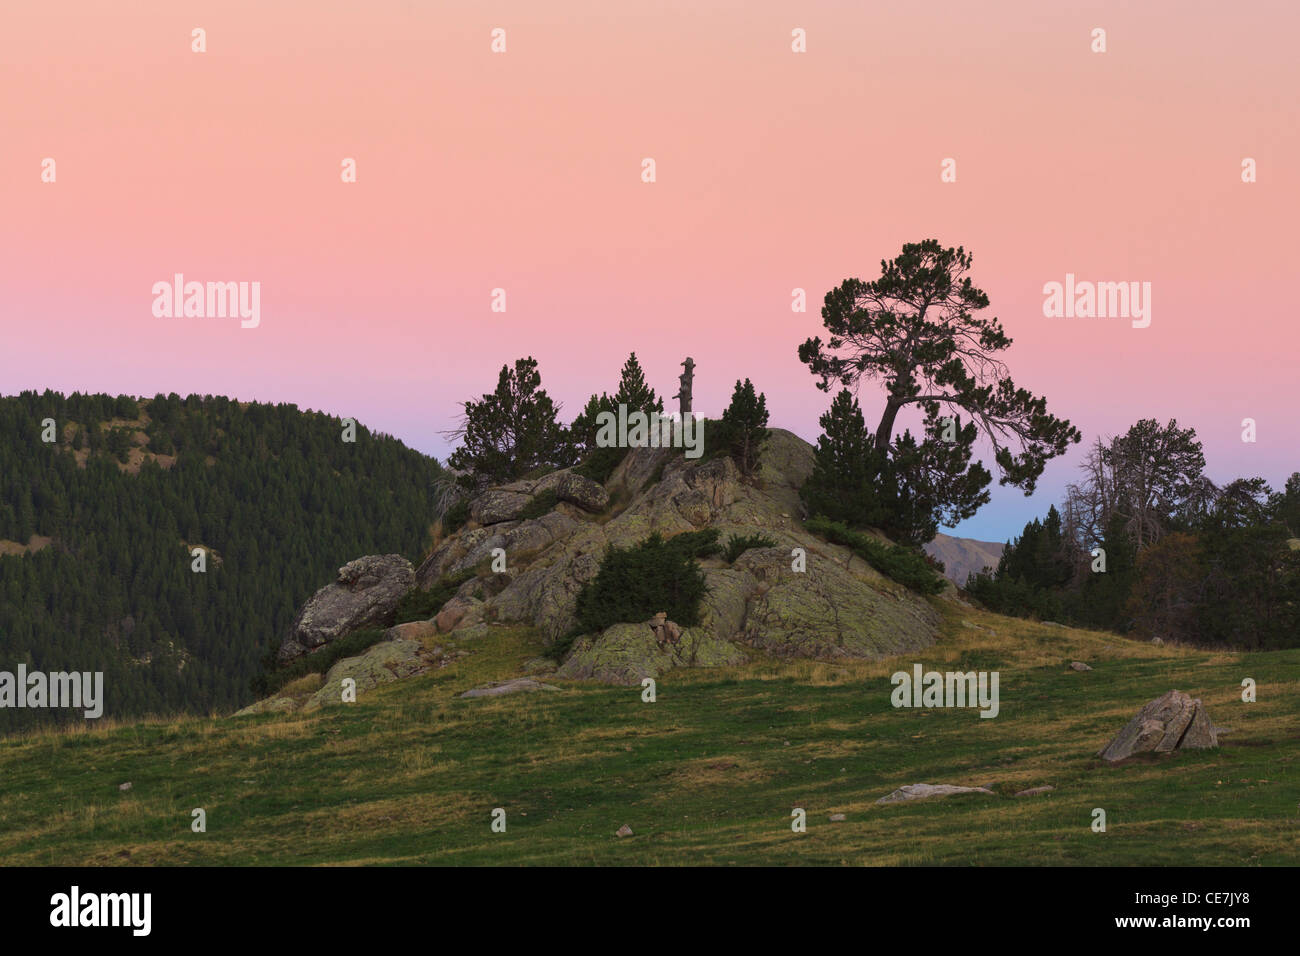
(1172,722)
(383,663)
(827,604)
(629,653)
(379,664)
(365,594)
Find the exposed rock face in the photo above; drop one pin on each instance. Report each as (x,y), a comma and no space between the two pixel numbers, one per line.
(497,505)
(459,612)
(583,492)
(629,653)
(412,631)
(923,791)
(1174,721)
(839,607)
(365,594)
(383,663)
(826,612)
(469,548)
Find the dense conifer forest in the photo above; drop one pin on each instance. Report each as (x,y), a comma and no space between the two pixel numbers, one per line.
(97,529)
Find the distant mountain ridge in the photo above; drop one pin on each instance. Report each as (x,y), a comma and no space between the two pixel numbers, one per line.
(963,557)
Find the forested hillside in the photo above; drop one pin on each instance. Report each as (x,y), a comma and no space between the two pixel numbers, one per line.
(96,531)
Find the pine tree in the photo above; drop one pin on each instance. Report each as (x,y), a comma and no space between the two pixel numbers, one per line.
(744,426)
(633,390)
(585,427)
(512,430)
(840,485)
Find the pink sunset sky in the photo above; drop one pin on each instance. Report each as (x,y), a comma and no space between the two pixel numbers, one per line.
(775,170)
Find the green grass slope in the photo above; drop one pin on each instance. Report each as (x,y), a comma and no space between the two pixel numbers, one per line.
(708,774)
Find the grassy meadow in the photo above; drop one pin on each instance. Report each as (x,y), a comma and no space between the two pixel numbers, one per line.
(707,774)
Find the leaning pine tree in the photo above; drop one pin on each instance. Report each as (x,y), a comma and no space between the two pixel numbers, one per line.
(915,330)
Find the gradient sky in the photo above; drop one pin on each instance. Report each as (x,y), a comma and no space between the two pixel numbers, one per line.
(775,170)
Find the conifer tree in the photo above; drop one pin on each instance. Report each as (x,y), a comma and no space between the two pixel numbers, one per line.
(840,487)
(744,426)
(512,430)
(633,390)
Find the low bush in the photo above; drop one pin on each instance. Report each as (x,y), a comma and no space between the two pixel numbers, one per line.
(420,605)
(738,544)
(540,505)
(636,583)
(600,464)
(455,517)
(903,565)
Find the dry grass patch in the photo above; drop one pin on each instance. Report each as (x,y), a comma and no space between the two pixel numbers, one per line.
(712,772)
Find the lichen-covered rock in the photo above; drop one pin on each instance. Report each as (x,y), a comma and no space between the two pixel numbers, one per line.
(459,612)
(628,653)
(271,705)
(438,564)
(693,505)
(516,539)
(545,594)
(583,492)
(365,594)
(497,505)
(826,612)
(722,611)
(1171,722)
(639,465)
(382,663)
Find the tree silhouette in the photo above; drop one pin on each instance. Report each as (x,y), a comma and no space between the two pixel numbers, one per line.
(916,330)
